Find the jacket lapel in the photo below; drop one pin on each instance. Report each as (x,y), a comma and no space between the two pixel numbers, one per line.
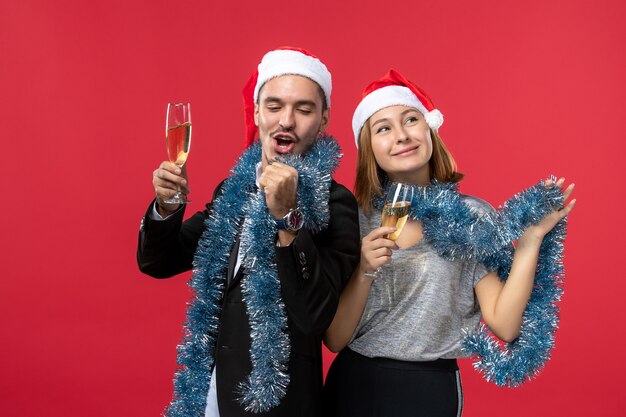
(232,261)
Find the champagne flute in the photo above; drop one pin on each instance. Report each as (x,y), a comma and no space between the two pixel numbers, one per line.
(396,210)
(395,214)
(178,140)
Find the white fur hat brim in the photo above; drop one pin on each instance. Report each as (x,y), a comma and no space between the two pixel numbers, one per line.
(393,95)
(288,62)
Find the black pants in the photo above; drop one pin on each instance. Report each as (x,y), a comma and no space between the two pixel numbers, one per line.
(358,386)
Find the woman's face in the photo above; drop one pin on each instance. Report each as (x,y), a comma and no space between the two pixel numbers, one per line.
(402,144)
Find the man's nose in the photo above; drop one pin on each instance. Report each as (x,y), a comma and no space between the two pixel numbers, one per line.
(287,120)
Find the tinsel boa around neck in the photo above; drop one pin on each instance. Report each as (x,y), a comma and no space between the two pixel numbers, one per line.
(457,232)
(267,383)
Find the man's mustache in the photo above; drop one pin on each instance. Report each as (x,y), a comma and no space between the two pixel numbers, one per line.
(290,131)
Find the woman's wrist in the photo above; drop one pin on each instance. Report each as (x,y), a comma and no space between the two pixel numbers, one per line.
(531,237)
(365,276)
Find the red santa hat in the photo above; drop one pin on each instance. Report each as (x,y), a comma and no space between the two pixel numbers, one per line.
(393,89)
(282,61)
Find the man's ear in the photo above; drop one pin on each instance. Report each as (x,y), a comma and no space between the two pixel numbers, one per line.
(256,114)
(325,120)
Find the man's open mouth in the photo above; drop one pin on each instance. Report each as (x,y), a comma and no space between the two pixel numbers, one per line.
(283,144)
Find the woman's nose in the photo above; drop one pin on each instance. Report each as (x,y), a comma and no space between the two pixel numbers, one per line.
(401,135)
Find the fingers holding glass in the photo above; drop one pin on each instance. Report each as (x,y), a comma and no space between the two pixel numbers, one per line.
(376,251)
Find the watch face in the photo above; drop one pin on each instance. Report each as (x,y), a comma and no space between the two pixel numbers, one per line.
(295,220)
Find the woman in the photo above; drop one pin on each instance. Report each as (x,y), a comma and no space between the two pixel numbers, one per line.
(402,316)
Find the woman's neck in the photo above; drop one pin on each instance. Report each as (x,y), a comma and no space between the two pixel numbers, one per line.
(416,178)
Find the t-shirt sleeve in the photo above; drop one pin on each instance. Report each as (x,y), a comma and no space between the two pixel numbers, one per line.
(480,207)
(479,273)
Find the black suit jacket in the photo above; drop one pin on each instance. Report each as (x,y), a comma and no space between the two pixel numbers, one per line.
(312,272)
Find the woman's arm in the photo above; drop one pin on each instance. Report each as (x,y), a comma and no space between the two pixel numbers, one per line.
(375,252)
(503,304)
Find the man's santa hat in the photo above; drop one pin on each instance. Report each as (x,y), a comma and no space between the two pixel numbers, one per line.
(282,61)
(393,89)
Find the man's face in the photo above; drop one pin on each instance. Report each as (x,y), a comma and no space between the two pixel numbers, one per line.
(289,116)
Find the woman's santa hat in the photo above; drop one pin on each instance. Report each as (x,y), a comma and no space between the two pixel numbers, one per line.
(282,61)
(394,90)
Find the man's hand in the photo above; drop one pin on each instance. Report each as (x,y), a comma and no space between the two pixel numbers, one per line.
(167,179)
(280,183)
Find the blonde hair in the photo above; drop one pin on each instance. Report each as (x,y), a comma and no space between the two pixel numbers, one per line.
(370,176)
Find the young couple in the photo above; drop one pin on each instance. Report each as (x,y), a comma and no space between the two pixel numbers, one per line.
(279,265)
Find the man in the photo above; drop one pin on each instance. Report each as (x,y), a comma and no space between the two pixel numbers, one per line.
(270,253)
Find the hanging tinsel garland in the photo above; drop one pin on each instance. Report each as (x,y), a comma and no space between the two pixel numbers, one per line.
(457,232)
(269,353)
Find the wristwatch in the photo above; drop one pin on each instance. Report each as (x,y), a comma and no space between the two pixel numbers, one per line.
(292,221)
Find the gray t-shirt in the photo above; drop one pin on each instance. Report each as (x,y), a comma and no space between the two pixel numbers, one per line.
(419,306)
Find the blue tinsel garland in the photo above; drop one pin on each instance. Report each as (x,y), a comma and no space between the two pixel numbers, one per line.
(456,232)
(269,353)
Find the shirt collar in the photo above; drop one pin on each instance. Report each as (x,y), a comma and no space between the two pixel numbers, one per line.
(259,171)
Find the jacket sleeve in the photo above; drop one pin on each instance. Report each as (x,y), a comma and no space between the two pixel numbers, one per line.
(167,247)
(315,267)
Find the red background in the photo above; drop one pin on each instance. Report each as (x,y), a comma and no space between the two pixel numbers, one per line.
(528,89)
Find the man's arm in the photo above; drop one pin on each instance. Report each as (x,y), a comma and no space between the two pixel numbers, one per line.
(314,268)
(167,247)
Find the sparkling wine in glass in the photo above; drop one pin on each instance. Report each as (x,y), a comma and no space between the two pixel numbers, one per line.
(178,140)
(396,209)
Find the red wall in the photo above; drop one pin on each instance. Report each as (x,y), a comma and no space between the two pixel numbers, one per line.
(528,89)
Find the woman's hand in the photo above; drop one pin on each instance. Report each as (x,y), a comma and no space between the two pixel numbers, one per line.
(539,230)
(376,250)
